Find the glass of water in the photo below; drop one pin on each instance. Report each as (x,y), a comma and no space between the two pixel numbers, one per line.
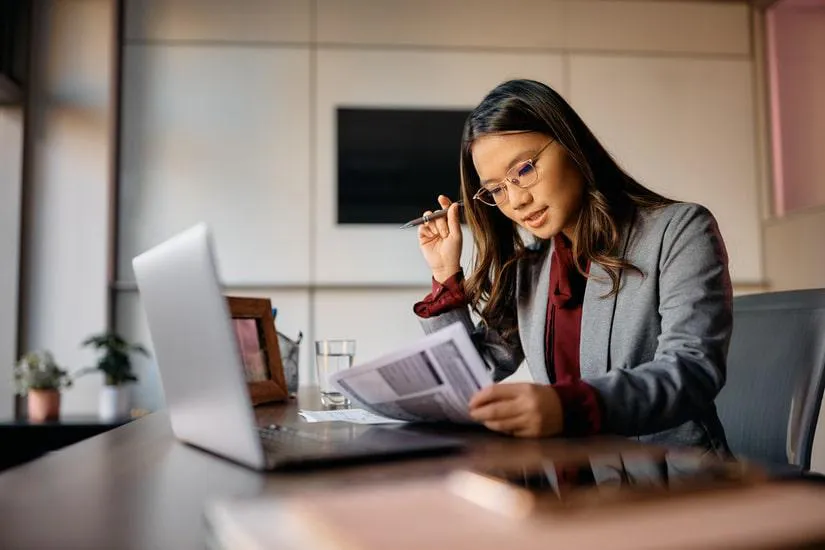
(332,356)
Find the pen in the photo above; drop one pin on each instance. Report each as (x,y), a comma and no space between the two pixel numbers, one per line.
(424,219)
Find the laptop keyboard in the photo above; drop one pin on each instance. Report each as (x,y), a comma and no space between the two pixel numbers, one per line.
(284,440)
(284,445)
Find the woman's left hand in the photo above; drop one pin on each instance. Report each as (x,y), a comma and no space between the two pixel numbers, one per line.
(522,410)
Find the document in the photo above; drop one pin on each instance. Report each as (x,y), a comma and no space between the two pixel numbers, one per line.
(353,416)
(431,380)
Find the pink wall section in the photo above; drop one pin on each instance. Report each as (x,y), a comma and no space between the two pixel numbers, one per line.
(796,49)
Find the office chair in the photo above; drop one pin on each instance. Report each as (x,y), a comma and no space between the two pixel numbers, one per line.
(775,378)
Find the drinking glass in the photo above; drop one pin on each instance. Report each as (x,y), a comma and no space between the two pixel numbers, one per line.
(331,357)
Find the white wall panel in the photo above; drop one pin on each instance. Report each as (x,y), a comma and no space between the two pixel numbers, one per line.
(685,128)
(381,321)
(475,23)
(644,26)
(382,253)
(293,316)
(221,135)
(794,250)
(218,20)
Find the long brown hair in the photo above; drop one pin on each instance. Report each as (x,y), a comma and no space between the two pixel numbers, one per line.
(610,197)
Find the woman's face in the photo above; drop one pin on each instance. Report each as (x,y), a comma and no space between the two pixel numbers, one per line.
(549,206)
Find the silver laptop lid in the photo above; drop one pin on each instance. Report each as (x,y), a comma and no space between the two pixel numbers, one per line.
(195,348)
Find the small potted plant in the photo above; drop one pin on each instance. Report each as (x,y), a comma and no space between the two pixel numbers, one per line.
(38,376)
(116,365)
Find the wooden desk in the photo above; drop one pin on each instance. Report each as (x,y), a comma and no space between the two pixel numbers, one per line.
(137,487)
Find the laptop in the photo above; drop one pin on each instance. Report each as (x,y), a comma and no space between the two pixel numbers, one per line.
(203,379)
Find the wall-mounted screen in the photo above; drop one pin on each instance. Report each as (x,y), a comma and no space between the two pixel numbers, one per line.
(393,163)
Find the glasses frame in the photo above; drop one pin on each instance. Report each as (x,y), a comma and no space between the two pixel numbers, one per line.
(511,180)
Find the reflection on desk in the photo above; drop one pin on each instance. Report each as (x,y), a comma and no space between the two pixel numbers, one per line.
(623,500)
(600,480)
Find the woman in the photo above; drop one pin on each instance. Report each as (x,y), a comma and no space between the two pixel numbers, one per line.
(618,298)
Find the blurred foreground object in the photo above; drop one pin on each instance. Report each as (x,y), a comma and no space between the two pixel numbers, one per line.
(616,500)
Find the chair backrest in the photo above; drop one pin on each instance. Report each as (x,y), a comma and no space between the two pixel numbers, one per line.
(776,371)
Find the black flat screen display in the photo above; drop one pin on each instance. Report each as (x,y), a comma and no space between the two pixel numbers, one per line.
(393,163)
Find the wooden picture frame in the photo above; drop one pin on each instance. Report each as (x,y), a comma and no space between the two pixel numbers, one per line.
(258,345)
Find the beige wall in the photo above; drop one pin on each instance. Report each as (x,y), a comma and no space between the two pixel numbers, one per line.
(795,251)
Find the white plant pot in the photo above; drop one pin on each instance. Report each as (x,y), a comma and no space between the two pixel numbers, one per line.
(114,403)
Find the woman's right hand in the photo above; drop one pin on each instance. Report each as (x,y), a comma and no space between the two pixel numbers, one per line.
(440,242)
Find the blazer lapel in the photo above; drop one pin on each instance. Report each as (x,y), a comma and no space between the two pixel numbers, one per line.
(598,311)
(532,314)
(597,323)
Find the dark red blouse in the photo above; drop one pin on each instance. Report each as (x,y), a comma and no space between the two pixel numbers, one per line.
(580,401)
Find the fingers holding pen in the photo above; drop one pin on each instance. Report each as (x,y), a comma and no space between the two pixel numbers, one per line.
(444,201)
(440,244)
(441,224)
(453,219)
(427,231)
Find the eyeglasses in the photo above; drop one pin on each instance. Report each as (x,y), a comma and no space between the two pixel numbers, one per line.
(522,175)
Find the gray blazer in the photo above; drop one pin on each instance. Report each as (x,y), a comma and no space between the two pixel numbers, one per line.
(656,351)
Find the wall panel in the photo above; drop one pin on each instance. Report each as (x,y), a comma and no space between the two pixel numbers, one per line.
(220,135)
(218,20)
(794,250)
(458,23)
(685,128)
(379,320)
(658,27)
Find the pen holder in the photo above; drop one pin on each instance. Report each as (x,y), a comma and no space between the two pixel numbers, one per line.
(290,351)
